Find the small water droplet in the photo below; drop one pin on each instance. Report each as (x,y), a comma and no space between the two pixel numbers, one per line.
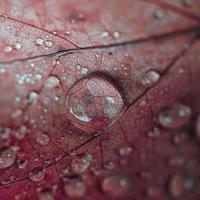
(104,34)
(8,49)
(159,14)
(45,195)
(39,41)
(125,151)
(179,184)
(76,16)
(175,116)
(7,157)
(5,133)
(176,161)
(22,163)
(48,43)
(21,132)
(75,187)
(153,133)
(42,139)
(17,45)
(187,2)
(32,97)
(81,163)
(81,106)
(153,192)
(116,34)
(115,185)
(151,77)
(52,82)
(37,174)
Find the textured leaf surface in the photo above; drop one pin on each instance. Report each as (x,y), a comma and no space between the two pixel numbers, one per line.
(149,50)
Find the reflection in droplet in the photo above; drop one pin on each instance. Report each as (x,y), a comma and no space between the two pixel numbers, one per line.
(93,103)
(81,163)
(175,116)
(115,185)
(7,157)
(37,174)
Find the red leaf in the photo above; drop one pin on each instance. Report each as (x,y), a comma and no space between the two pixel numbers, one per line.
(99,99)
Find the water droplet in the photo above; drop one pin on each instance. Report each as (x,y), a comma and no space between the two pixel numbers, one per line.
(197,126)
(8,49)
(37,174)
(115,185)
(176,161)
(125,151)
(82,109)
(76,16)
(81,163)
(38,77)
(4,133)
(159,14)
(179,184)
(7,157)
(75,187)
(116,34)
(104,34)
(153,133)
(153,192)
(175,116)
(52,82)
(48,43)
(21,132)
(22,163)
(151,77)
(45,195)
(32,97)
(17,45)
(42,139)
(39,41)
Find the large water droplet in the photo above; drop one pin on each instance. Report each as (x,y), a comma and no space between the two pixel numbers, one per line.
(151,77)
(115,185)
(37,174)
(93,103)
(175,116)
(7,157)
(179,184)
(75,187)
(81,163)
(52,82)
(32,97)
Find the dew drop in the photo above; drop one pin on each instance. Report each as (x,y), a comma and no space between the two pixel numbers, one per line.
(42,139)
(159,14)
(32,97)
(187,2)
(116,34)
(8,49)
(7,157)
(175,116)
(81,163)
(179,184)
(5,133)
(115,185)
(45,195)
(95,106)
(22,163)
(17,45)
(21,132)
(52,82)
(37,174)
(151,77)
(75,187)
(125,151)
(39,41)
(48,43)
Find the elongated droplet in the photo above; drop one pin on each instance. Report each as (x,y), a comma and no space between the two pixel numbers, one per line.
(175,116)
(7,157)
(93,103)
(115,185)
